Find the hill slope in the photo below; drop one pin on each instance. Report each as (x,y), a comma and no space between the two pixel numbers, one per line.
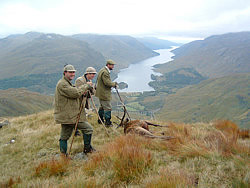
(220,98)
(123,49)
(16,102)
(47,54)
(215,56)
(202,155)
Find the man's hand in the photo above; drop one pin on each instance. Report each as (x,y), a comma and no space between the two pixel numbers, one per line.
(116,85)
(90,83)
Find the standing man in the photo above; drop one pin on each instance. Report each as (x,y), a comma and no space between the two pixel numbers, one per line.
(67,108)
(103,92)
(85,79)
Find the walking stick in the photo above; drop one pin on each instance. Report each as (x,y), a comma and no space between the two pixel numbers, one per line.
(77,121)
(123,105)
(98,114)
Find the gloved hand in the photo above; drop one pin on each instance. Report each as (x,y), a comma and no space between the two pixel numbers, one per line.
(116,85)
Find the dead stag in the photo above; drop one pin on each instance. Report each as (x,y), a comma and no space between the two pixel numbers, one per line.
(140,127)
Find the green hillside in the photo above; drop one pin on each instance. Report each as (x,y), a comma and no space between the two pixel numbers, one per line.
(179,78)
(123,49)
(215,56)
(16,102)
(220,98)
(156,44)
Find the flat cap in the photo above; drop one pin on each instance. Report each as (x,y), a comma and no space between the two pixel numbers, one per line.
(111,62)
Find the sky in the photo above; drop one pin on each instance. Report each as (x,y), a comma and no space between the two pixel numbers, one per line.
(176,20)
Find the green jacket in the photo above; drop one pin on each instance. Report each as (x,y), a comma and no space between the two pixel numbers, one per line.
(104,85)
(67,105)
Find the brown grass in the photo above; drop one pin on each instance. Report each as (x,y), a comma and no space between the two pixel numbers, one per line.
(52,167)
(172,178)
(125,156)
(188,142)
(10,183)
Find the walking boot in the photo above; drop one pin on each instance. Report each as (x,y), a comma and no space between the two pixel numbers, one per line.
(87,144)
(101,114)
(63,147)
(108,123)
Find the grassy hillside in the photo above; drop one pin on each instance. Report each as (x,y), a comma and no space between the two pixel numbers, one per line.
(156,44)
(123,49)
(215,56)
(201,155)
(16,102)
(220,98)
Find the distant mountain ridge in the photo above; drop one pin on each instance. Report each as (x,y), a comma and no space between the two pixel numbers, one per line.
(215,56)
(47,54)
(156,44)
(123,49)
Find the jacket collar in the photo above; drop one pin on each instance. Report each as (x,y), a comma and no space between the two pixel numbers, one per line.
(67,80)
(85,77)
(107,69)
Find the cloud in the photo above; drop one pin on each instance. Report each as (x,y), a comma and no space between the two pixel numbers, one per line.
(193,18)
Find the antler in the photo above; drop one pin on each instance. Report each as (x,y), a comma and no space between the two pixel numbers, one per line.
(121,124)
(156,125)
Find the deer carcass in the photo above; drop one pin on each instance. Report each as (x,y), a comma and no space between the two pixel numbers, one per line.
(140,127)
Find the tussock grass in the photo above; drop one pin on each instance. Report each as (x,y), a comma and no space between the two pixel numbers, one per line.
(192,142)
(125,156)
(172,178)
(53,167)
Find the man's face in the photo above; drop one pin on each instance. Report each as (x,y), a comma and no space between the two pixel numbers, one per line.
(70,75)
(111,67)
(90,76)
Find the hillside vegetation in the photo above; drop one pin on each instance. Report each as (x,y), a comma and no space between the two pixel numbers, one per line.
(176,79)
(215,56)
(218,98)
(16,102)
(200,155)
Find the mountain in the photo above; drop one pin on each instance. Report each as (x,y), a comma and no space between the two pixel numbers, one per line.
(16,102)
(216,98)
(200,155)
(123,49)
(13,41)
(156,44)
(215,56)
(45,54)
